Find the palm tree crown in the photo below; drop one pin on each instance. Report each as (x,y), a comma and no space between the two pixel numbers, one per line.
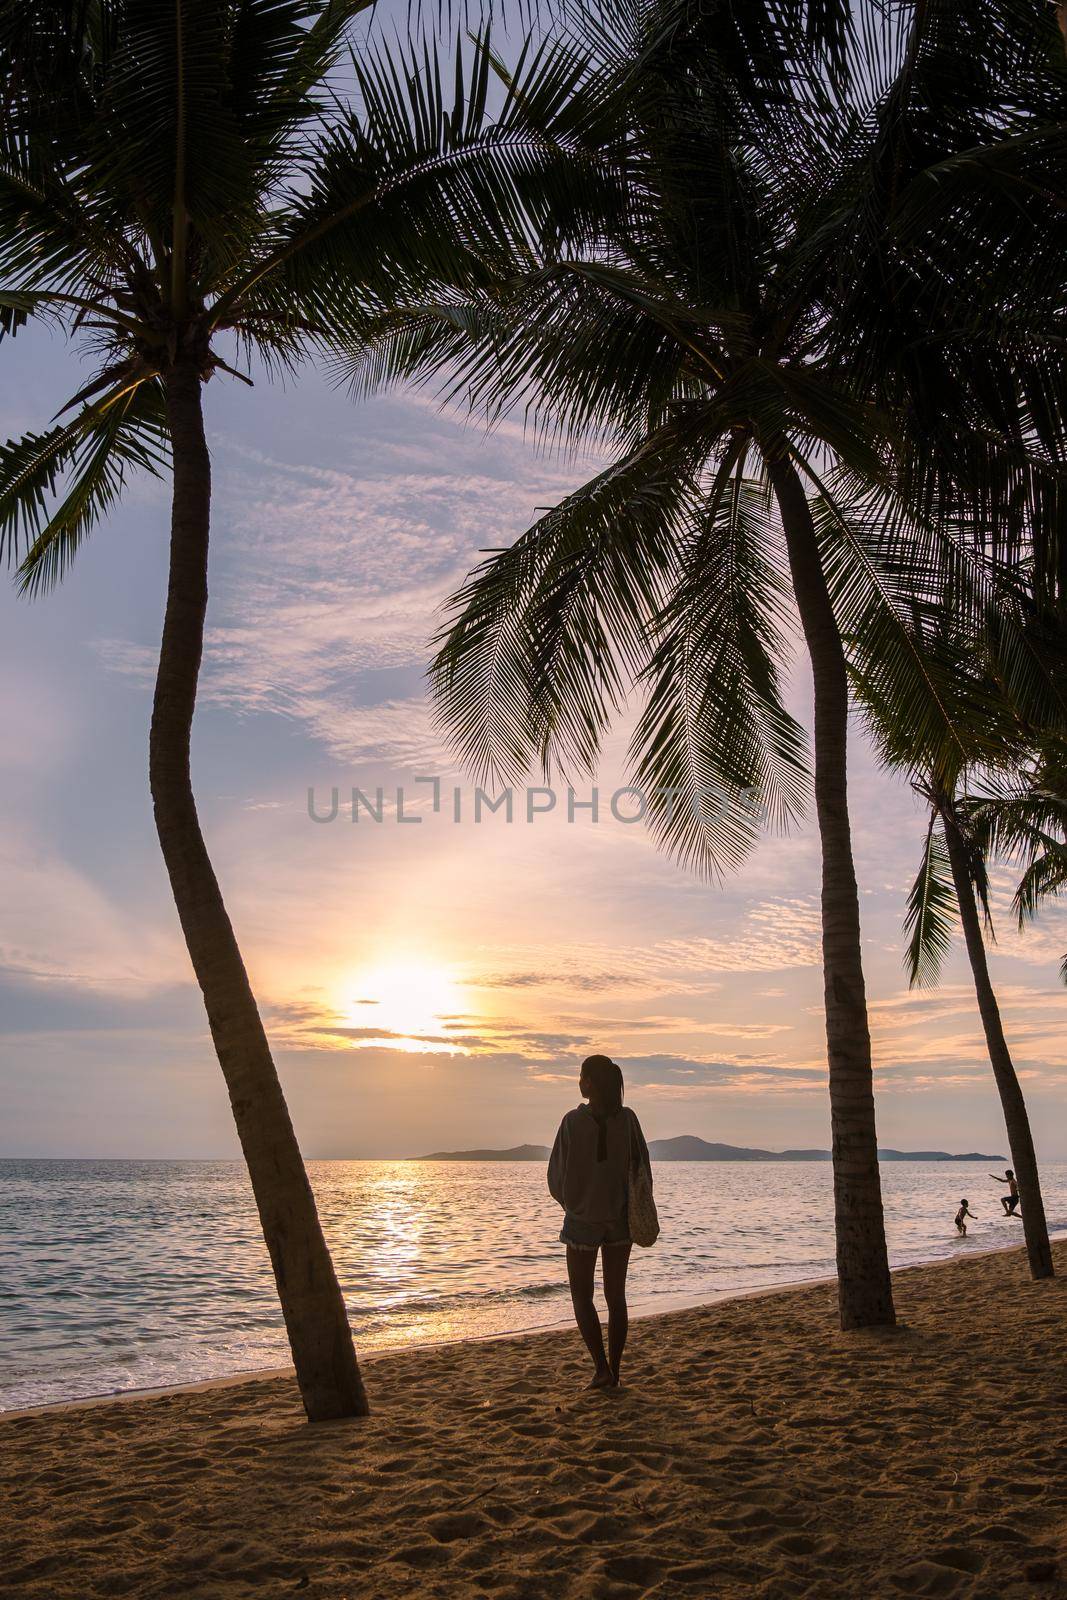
(765,328)
(181,186)
(199,192)
(989,782)
(763,294)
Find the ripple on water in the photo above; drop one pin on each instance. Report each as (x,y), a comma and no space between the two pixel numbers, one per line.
(135,1274)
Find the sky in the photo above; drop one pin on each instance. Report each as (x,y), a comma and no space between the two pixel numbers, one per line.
(426,983)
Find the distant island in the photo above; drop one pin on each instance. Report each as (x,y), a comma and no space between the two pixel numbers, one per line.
(687,1147)
(518,1152)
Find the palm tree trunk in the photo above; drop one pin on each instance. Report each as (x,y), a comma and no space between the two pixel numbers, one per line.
(1013,1104)
(865,1294)
(310,1295)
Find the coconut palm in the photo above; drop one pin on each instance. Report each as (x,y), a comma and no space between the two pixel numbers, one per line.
(989,779)
(719,331)
(952,880)
(181,187)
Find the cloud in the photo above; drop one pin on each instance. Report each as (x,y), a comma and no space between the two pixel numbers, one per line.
(774,935)
(332,583)
(61,928)
(584,982)
(685,1077)
(916,1026)
(394,733)
(672,1025)
(35,1008)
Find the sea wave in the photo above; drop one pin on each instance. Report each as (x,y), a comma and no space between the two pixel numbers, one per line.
(116,1276)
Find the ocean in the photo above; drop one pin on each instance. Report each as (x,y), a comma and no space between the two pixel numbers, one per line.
(122,1275)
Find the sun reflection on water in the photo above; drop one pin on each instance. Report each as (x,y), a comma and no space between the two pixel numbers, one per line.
(123,1275)
(391,1215)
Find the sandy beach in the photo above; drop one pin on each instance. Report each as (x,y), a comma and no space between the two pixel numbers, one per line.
(754,1450)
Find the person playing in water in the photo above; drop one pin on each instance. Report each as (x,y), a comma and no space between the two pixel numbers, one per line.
(1009,1201)
(961,1218)
(587,1176)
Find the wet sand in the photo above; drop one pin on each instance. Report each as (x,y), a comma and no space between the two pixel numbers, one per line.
(753,1450)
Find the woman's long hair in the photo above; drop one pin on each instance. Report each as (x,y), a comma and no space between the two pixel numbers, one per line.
(604,1078)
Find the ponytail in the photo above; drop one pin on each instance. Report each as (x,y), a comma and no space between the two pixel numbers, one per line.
(605,1080)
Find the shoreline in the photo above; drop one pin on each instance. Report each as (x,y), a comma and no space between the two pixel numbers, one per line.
(754,1452)
(383,1352)
(639,1312)
(772,1158)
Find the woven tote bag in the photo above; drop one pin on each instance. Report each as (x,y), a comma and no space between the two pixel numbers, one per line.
(641,1215)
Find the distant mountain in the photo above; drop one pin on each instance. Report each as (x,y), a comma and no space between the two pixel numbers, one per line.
(935,1155)
(687,1147)
(518,1152)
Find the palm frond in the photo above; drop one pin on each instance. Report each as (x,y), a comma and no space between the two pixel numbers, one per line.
(892,580)
(280,55)
(546,637)
(86,462)
(50,237)
(412,343)
(421,186)
(1014,827)
(979,876)
(932,910)
(182,147)
(715,752)
(1045,876)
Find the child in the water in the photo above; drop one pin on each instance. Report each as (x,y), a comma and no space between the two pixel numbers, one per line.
(961,1218)
(1009,1201)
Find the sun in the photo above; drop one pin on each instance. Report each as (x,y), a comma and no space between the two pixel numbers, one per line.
(406,1005)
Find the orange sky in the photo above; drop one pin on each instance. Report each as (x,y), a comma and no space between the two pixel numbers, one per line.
(432,984)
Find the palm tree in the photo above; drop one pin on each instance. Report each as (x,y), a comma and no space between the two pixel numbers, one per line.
(179,185)
(719,329)
(952,879)
(986,757)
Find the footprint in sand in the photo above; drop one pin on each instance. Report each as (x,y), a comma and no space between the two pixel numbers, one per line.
(805,1544)
(420,1555)
(943,1572)
(450,1526)
(634,1568)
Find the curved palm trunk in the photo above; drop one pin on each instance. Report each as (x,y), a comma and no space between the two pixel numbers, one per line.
(311,1299)
(1013,1105)
(865,1295)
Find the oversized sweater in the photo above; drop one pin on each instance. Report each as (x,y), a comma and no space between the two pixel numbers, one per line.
(591,1189)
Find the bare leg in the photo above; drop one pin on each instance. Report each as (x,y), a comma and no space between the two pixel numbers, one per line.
(581,1267)
(615,1259)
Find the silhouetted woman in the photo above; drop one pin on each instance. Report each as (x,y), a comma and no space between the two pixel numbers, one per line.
(587,1174)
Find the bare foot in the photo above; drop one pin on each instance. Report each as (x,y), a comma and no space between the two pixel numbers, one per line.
(604,1380)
